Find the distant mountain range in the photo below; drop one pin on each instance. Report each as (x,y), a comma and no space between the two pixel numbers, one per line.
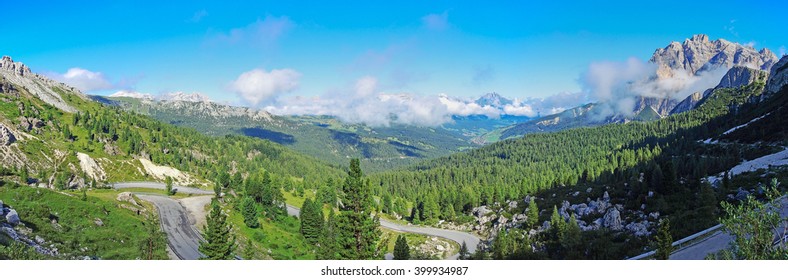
(694,57)
(323,137)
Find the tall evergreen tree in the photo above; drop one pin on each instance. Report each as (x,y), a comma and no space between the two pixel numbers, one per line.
(664,240)
(249,209)
(311,221)
(570,240)
(532,215)
(219,241)
(328,240)
(357,229)
(401,248)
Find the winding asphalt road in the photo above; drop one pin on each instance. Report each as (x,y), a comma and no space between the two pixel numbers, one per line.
(184,239)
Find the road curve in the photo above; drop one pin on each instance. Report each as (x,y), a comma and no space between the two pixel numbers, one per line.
(159,186)
(457,236)
(184,239)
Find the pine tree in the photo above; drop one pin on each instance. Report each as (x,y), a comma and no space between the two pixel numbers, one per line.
(532,215)
(311,221)
(357,229)
(570,240)
(387,204)
(556,232)
(219,241)
(664,240)
(250,213)
(168,185)
(463,254)
(328,240)
(401,248)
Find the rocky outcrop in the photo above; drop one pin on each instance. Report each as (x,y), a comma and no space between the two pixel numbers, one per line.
(690,102)
(20,77)
(661,106)
(778,76)
(699,54)
(7,64)
(739,76)
(6,137)
(91,167)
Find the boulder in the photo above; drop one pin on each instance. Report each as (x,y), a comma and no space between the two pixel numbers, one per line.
(639,228)
(98,222)
(127,197)
(12,217)
(612,219)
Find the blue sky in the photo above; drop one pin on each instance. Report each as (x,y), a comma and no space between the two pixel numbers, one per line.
(317,48)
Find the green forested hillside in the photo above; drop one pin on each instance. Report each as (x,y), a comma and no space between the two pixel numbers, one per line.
(664,156)
(46,149)
(325,138)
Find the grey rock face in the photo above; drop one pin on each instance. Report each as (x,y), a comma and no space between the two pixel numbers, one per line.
(740,76)
(6,137)
(612,219)
(778,76)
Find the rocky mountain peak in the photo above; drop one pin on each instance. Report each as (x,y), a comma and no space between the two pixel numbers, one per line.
(493,99)
(699,54)
(18,68)
(17,75)
(187,97)
(702,38)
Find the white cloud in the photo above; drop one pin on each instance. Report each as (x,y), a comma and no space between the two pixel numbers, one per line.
(366,86)
(466,108)
(83,79)
(519,110)
(258,85)
(263,32)
(618,85)
(436,22)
